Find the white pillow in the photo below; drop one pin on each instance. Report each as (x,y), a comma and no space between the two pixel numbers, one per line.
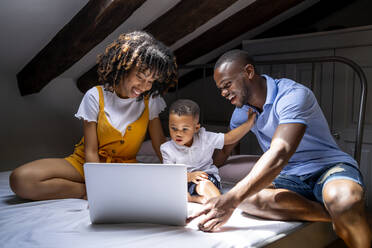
(146,153)
(146,148)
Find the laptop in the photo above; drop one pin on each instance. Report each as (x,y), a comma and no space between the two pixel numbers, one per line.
(136,193)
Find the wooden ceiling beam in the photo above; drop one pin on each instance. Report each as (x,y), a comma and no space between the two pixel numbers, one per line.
(241,22)
(184,18)
(96,20)
(299,24)
(88,79)
(181,20)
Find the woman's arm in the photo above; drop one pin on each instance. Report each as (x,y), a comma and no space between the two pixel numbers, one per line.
(91,141)
(157,135)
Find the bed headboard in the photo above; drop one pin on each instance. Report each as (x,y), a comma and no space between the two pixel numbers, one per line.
(319,72)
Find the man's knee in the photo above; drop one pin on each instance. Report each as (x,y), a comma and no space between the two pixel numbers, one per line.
(343,198)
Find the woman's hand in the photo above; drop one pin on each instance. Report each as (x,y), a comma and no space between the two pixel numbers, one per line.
(197,176)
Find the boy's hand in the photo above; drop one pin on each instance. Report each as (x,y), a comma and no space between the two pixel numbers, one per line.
(251,117)
(196,176)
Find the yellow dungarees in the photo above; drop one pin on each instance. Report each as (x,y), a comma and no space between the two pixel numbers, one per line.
(113,147)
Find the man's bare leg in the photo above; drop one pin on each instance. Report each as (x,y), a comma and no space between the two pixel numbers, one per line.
(283,204)
(47,179)
(344,200)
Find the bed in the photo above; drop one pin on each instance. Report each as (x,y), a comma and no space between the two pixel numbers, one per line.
(66,223)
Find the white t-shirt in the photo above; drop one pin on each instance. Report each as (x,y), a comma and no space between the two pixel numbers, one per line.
(119,112)
(198,157)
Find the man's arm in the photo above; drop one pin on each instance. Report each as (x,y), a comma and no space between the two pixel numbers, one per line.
(285,141)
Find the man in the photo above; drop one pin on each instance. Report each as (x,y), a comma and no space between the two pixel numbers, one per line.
(302,175)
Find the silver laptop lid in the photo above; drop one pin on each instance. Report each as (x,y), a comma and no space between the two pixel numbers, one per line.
(124,193)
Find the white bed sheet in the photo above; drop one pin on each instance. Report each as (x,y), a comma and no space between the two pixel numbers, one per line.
(66,223)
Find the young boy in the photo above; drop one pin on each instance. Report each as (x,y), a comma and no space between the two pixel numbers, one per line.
(194,146)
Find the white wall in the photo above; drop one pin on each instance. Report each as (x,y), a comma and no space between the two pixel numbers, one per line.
(39,125)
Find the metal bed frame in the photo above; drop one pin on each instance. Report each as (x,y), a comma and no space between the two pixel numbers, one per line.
(356,68)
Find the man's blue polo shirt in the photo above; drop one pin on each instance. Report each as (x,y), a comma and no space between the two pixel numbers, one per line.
(291,102)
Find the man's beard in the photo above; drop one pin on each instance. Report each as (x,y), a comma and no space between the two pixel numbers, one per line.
(242,98)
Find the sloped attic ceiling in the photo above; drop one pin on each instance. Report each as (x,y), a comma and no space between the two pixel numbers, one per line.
(195,30)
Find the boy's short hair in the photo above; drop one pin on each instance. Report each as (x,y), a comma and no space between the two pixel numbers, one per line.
(185,107)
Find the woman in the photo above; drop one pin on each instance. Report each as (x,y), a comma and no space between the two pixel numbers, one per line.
(134,70)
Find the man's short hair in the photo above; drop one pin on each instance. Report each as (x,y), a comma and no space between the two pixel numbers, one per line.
(185,107)
(235,55)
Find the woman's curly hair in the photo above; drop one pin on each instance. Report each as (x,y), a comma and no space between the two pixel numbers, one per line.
(139,50)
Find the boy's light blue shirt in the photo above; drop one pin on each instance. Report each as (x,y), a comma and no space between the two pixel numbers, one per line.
(291,102)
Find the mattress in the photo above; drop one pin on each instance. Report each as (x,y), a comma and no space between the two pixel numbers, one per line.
(66,223)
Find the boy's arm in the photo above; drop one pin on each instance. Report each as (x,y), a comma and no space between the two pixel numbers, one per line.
(236,134)
(220,156)
(167,158)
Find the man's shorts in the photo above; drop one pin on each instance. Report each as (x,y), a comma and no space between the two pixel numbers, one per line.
(311,186)
(191,186)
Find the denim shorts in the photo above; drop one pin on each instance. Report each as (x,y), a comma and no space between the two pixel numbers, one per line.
(311,186)
(191,186)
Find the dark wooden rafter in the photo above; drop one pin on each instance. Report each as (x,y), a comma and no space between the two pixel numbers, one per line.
(246,19)
(241,22)
(88,79)
(96,20)
(301,23)
(182,19)
(306,20)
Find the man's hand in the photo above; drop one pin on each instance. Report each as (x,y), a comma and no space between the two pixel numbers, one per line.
(196,176)
(217,212)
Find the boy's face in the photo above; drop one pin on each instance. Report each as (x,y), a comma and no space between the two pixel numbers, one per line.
(182,128)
